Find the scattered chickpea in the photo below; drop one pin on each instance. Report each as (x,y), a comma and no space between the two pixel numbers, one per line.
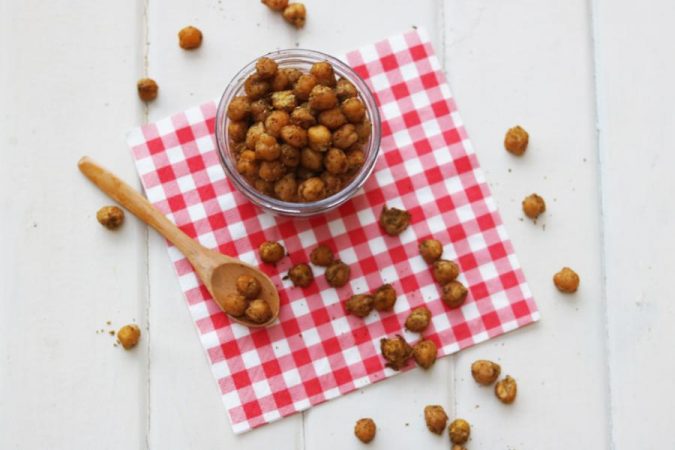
(234,304)
(295,14)
(271,252)
(275,5)
(485,372)
(337,274)
(322,255)
(248,286)
(190,38)
(506,390)
(110,217)
(445,271)
(459,431)
(393,220)
(516,140)
(533,206)
(301,275)
(147,89)
(385,298)
(365,430)
(395,351)
(430,250)
(454,294)
(418,320)
(425,353)
(258,311)
(566,280)
(129,335)
(359,305)
(458,447)
(436,418)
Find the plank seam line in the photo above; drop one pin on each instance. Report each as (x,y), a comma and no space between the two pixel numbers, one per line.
(600,118)
(148,405)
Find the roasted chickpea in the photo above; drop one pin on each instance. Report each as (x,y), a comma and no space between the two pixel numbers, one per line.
(290,156)
(275,5)
(286,188)
(292,74)
(237,130)
(311,160)
(425,352)
(345,89)
(506,390)
(436,418)
(258,311)
(355,159)
(303,117)
(332,118)
(364,129)
(239,108)
(234,304)
(256,87)
(284,101)
(458,447)
(319,138)
(566,280)
(459,431)
(267,148)
(354,110)
(303,87)
(312,189)
(147,89)
(264,187)
(324,73)
(454,294)
(336,161)
(395,351)
(345,136)
(271,252)
(485,372)
(303,173)
(248,286)
(322,98)
(294,135)
(431,250)
(110,217)
(295,14)
(516,140)
(385,298)
(280,82)
(260,109)
(445,271)
(129,335)
(533,206)
(337,274)
(271,170)
(301,275)
(190,38)
(365,430)
(254,133)
(333,184)
(322,255)
(247,165)
(266,68)
(275,121)
(359,305)
(394,221)
(419,319)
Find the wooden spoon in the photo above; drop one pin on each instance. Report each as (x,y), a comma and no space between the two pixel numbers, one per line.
(218,272)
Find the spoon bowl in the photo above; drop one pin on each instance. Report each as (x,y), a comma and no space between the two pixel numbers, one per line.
(218,272)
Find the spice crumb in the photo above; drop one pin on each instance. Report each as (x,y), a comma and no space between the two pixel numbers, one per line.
(111,332)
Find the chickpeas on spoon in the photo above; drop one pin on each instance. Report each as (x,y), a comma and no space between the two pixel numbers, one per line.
(219,273)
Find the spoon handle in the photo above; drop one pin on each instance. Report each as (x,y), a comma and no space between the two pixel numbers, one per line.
(139,206)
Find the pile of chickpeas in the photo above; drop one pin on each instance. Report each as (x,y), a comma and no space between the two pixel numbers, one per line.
(296,136)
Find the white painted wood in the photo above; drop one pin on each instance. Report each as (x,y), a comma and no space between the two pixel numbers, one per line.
(635,76)
(67,88)
(530,63)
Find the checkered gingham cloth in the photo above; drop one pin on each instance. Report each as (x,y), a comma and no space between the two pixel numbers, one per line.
(316,352)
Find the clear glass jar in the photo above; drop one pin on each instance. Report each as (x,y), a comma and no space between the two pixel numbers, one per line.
(303,60)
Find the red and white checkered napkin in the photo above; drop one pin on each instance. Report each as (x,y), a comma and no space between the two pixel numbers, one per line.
(316,352)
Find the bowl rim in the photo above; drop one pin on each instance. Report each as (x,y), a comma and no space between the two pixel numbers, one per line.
(298,209)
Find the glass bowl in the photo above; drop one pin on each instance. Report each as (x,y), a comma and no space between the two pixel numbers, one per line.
(303,60)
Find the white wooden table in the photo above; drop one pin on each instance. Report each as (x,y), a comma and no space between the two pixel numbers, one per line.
(592,80)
